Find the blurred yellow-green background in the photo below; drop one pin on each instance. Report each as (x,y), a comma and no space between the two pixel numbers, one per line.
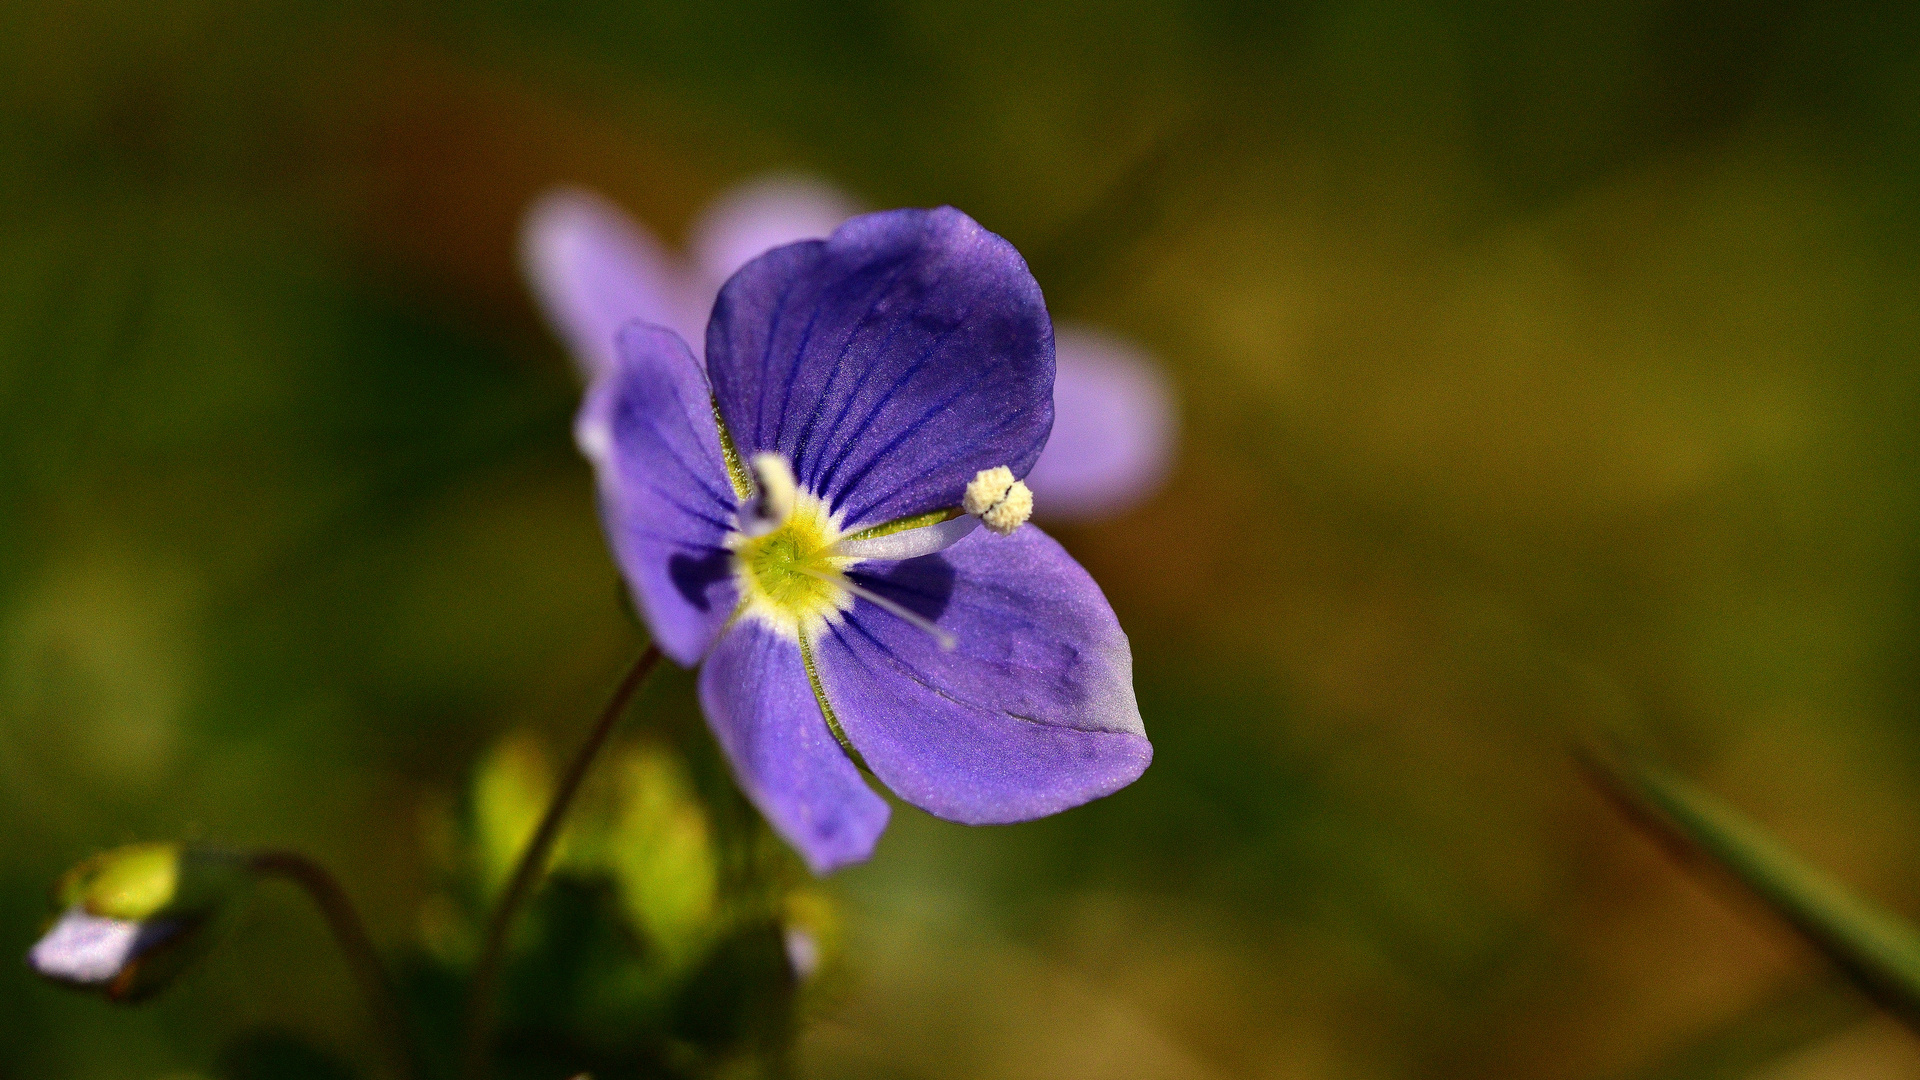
(1541,367)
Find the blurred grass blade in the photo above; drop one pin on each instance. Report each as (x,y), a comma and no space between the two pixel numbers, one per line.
(1879,952)
(1786,1023)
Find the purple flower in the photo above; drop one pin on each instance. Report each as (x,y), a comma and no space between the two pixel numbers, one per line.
(1113,428)
(595,269)
(800,517)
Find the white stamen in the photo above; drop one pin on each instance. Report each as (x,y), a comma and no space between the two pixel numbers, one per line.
(769,509)
(947,641)
(1001,502)
(910,543)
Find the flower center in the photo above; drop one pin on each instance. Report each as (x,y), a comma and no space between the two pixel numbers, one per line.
(790,576)
(790,554)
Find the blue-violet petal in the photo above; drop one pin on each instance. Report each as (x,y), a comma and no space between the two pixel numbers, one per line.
(1032,713)
(760,215)
(665,499)
(757,698)
(890,362)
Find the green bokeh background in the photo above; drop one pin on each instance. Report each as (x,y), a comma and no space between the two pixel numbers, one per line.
(1541,367)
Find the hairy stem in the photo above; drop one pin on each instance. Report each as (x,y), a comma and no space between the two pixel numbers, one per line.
(533,862)
(351,935)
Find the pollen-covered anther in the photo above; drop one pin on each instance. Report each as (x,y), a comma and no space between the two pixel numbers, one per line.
(1001,502)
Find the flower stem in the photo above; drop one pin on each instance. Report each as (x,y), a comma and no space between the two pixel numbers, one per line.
(533,862)
(351,935)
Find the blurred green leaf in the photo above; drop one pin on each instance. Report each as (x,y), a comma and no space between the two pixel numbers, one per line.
(661,854)
(1879,951)
(510,789)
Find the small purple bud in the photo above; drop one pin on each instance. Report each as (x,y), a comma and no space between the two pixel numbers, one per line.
(132,918)
(123,959)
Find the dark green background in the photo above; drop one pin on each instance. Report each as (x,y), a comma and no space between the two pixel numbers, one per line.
(1541,366)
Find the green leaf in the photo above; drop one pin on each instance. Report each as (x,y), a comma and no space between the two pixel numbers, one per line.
(1877,950)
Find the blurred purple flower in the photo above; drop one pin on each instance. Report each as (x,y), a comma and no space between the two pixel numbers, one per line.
(758,216)
(595,269)
(800,517)
(1113,428)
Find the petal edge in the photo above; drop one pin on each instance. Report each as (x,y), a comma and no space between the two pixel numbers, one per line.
(665,501)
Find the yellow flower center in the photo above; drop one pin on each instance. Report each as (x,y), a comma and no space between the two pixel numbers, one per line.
(790,578)
(790,555)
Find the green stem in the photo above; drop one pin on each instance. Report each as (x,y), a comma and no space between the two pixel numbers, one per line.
(1877,950)
(355,945)
(533,862)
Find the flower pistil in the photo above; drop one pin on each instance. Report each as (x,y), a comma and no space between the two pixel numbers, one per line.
(784,554)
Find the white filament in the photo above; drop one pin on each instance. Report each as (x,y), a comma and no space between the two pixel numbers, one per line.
(947,641)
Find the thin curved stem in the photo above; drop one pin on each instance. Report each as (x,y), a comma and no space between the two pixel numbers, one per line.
(533,863)
(351,935)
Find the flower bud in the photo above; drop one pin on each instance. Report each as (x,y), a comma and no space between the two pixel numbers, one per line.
(133,918)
